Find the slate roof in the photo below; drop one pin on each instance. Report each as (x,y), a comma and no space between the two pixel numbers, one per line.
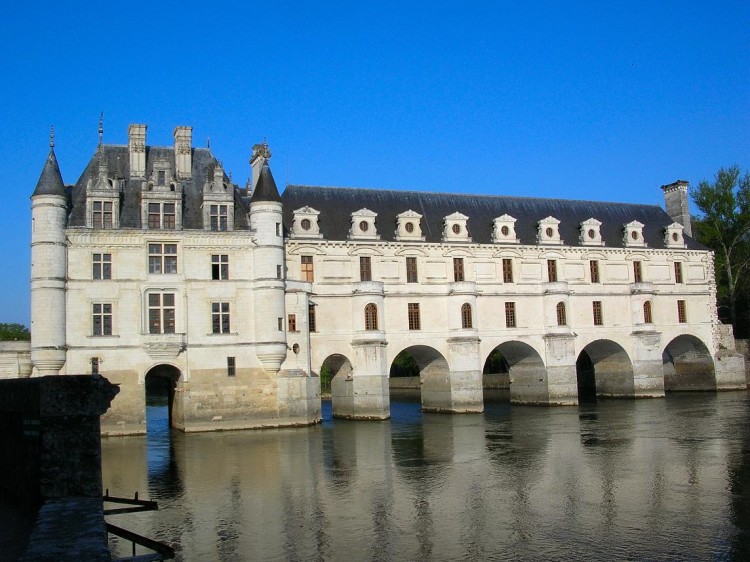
(336,204)
(265,190)
(118,161)
(50,180)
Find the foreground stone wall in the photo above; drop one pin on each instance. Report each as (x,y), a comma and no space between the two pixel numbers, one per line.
(50,459)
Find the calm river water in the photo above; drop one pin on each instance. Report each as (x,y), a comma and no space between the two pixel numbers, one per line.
(612,480)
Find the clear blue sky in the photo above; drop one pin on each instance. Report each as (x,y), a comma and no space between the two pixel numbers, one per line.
(586,100)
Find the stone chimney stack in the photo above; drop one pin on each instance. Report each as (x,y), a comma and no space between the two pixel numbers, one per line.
(261,153)
(676,200)
(137,150)
(183,138)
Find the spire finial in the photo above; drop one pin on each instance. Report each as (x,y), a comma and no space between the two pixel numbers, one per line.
(52,136)
(208,142)
(101,126)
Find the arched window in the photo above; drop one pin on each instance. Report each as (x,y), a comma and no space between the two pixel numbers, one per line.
(466,316)
(647,317)
(561,316)
(371,317)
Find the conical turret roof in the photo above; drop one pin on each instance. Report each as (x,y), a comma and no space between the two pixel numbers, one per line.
(265,190)
(50,182)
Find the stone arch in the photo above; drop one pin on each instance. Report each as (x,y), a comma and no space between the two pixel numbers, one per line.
(519,366)
(335,371)
(688,365)
(160,383)
(434,377)
(604,369)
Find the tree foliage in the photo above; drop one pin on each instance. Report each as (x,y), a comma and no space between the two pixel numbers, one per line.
(11,332)
(724,226)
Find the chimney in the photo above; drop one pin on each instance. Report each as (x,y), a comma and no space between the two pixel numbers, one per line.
(137,150)
(261,153)
(676,201)
(183,138)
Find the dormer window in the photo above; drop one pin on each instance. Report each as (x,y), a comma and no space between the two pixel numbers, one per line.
(633,235)
(454,228)
(305,223)
(408,226)
(549,231)
(162,178)
(363,225)
(673,236)
(591,233)
(102,214)
(504,230)
(219,217)
(218,202)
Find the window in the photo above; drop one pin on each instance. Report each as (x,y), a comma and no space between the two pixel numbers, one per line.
(458,269)
(162,258)
(278,272)
(102,214)
(161,215)
(94,365)
(411,269)
(306,224)
(507,270)
(291,322)
(220,317)
(681,312)
(102,316)
(307,269)
(219,267)
(278,229)
(161,313)
(365,268)
(466,319)
(161,177)
(231,367)
(510,315)
(414,323)
(280,324)
(371,317)
(647,318)
(311,318)
(594,268)
(598,314)
(219,218)
(551,271)
(637,272)
(562,319)
(456,228)
(102,265)
(678,272)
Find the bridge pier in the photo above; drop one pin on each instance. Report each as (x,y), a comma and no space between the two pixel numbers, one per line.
(458,389)
(363,394)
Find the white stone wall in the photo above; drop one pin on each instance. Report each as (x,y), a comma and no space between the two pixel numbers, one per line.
(340,310)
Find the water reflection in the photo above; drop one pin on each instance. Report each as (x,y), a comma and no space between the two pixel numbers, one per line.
(652,479)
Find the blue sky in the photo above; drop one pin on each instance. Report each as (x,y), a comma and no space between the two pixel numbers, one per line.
(585,100)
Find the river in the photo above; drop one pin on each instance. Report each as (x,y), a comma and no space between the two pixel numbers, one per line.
(661,479)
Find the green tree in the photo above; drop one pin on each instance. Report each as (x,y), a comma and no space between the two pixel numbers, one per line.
(724,227)
(11,332)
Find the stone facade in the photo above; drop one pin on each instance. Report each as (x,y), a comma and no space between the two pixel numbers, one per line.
(154,264)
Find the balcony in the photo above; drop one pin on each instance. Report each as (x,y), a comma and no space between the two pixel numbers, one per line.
(642,288)
(163,346)
(556,288)
(367,288)
(462,288)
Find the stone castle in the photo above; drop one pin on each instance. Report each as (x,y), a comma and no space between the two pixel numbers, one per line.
(154,265)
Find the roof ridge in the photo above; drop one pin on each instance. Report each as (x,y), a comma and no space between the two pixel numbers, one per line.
(452,194)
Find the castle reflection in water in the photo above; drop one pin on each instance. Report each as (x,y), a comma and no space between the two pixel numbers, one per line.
(661,479)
